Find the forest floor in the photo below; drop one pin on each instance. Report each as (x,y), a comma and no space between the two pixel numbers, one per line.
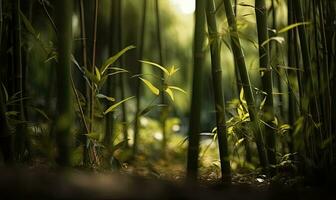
(159,181)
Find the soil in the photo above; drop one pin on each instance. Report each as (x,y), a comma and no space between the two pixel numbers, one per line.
(52,184)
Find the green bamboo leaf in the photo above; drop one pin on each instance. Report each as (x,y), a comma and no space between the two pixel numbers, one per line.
(227,44)
(173,70)
(177,88)
(114,106)
(287,28)
(102,81)
(170,93)
(214,130)
(241,96)
(152,88)
(239,142)
(5,92)
(102,96)
(285,127)
(275,121)
(41,113)
(147,110)
(240,111)
(35,34)
(246,37)
(94,135)
(262,103)
(74,61)
(278,39)
(289,68)
(11,113)
(91,76)
(118,69)
(28,25)
(98,75)
(115,73)
(150,108)
(156,65)
(245,117)
(112,59)
(51,56)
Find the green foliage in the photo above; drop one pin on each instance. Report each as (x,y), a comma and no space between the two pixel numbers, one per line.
(292,26)
(152,88)
(303,118)
(110,61)
(102,96)
(101,74)
(168,89)
(114,106)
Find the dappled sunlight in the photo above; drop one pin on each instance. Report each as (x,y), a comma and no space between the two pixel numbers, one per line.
(167,99)
(184,6)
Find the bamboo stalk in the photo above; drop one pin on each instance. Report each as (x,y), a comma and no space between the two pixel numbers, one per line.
(137,83)
(235,7)
(122,77)
(319,69)
(237,75)
(6,137)
(81,111)
(279,71)
(20,141)
(329,9)
(111,80)
(239,57)
(248,156)
(164,110)
(291,77)
(326,94)
(1,23)
(196,99)
(92,70)
(310,91)
(267,82)
(64,106)
(215,50)
(88,90)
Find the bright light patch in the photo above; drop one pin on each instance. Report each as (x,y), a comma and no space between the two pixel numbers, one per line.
(176,128)
(184,6)
(158,135)
(144,121)
(74,22)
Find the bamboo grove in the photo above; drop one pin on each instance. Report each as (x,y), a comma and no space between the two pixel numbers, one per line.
(97,84)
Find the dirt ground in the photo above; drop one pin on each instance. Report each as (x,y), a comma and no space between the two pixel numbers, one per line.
(46,184)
